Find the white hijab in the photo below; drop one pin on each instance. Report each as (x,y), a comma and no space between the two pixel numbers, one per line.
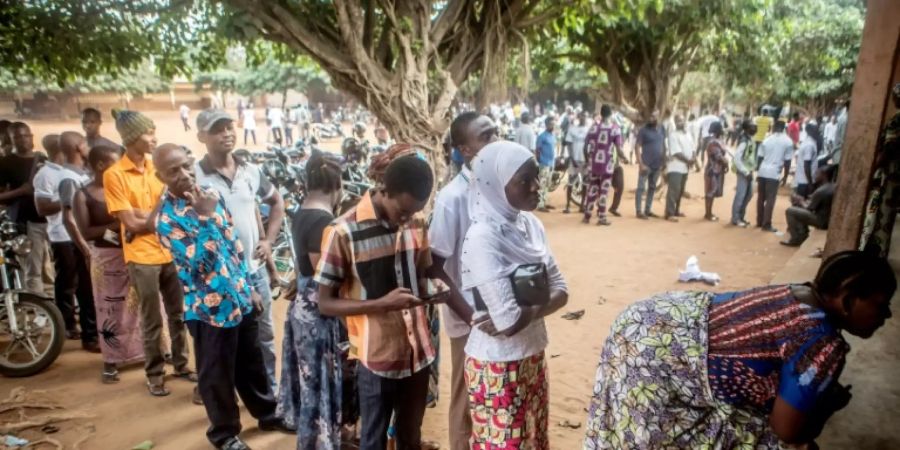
(501,238)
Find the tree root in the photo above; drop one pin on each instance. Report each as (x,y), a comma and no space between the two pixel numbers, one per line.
(36,422)
(18,402)
(46,440)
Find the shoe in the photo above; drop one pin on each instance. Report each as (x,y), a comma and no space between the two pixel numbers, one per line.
(641,216)
(73,335)
(604,222)
(680,214)
(234,443)
(770,229)
(195,396)
(615,213)
(91,347)
(790,243)
(745,224)
(586,220)
(567,211)
(543,210)
(277,425)
(157,389)
(187,375)
(652,216)
(551,207)
(671,219)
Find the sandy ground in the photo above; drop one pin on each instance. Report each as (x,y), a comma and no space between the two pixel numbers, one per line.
(606,268)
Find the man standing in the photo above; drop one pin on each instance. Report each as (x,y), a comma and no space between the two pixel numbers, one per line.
(372,271)
(745,161)
(830,131)
(650,151)
(90,123)
(54,188)
(840,133)
(275,116)
(807,162)
(775,154)
(525,132)
(681,156)
(813,212)
(17,192)
(240,183)
(220,305)
(132,191)
(546,156)
(185,113)
(575,142)
(793,129)
(604,142)
(469,133)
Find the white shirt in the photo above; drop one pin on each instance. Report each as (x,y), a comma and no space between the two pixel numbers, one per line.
(276,118)
(775,150)
(249,119)
(830,129)
(449,223)
(184,111)
(46,185)
(576,136)
(806,152)
(704,123)
(525,136)
(680,142)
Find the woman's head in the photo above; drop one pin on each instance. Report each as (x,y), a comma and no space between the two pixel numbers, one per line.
(859,286)
(716,129)
(507,179)
(101,158)
(323,174)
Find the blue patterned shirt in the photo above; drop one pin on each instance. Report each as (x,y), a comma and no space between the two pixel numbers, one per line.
(210,262)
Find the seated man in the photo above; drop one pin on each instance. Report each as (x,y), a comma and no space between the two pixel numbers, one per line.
(813,212)
(195,227)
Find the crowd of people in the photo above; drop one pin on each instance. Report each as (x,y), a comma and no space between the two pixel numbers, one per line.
(152,245)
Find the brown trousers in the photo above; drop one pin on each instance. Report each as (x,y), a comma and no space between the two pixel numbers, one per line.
(460,419)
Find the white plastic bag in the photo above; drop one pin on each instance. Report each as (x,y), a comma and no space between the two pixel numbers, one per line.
(692,272)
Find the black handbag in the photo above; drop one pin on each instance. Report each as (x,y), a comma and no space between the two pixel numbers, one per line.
(530,283)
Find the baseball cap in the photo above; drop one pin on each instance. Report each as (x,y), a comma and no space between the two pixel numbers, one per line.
(208,117)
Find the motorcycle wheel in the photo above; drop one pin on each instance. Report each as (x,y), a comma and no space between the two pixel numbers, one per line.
(576,195)
(43,331)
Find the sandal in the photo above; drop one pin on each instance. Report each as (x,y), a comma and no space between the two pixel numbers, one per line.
(187,376)
(711,218)
(157,390)
(110,377)
(604,222)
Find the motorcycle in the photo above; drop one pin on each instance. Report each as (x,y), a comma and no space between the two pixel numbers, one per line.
(32,331)
(328,130)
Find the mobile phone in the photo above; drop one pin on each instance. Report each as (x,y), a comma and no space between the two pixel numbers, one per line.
(440,295)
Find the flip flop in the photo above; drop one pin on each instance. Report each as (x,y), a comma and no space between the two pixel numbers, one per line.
(187,376)
(157,390)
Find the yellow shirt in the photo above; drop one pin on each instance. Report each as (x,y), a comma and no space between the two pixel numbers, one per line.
(129,187)
(763,126)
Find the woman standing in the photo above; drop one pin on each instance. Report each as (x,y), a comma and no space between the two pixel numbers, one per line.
(716,166)
(311,390)
(249,122)
(116,306)
(740,369)
(505,368)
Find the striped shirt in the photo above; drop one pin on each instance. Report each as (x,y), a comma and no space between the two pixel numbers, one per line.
(367,258)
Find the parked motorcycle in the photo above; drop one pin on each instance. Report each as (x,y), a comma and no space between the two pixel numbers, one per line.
(328,130)
(32,331)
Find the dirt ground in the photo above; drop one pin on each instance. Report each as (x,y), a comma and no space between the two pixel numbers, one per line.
(606,269)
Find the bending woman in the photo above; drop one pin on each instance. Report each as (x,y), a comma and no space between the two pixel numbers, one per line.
(505,369)
(751,369)
(311,393)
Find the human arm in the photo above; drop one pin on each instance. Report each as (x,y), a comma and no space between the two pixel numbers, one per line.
(23,190)
(68,188)
(455,300)
(82,219)
(638,149)
(45,196)
(276,214)
(133,220)
(194,242)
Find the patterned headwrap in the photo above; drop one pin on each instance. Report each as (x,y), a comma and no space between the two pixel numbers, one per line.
(380,162)
(131,124)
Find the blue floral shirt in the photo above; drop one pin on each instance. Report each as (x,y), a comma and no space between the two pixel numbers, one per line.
(210,262)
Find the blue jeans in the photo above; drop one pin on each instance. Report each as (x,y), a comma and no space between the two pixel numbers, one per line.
(260,282)
(741,198)
(646,181)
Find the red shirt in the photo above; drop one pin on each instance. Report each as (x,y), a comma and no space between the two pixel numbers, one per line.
(793,130)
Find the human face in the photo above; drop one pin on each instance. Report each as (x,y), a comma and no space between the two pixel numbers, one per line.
(481,131)
(522,189)
(866,315)
(381,135)
(22,139)
(176,170)
(145,143)
(751,130)
(654,118)
(90,123)
(220,139)
(679,123)
(551,125)
(400,208)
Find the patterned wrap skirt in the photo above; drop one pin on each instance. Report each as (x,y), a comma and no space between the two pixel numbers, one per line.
(508,402)
(652,390)
(116,306)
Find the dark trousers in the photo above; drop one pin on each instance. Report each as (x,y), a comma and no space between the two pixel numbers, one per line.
(765,201)
(798,221)
(618,184)
(252,133)
(73,279)
(379,397)
(276,135)
(677,182)
(289,135)
(229,359)
(646,182)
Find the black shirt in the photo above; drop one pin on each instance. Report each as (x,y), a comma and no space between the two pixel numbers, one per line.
(15,171)
(307,227)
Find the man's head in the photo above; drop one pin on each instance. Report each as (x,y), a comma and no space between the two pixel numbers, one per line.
(812,130)
(101,158)
(796,116)
(549,123)
(525,117)
(407,185)
(91,121)
(174,168)
(679,122)
(716,129)
(654,118)
(50,143)
(778,127)
(138,132)
(215,129)
(73,146)
(605,111)
(470,131)
(22,139)
(582,118)
(825,174)
(749,127)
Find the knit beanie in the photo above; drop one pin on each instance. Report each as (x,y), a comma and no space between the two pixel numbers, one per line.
(131,124)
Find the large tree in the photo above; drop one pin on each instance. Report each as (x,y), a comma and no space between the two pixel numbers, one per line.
(645,47)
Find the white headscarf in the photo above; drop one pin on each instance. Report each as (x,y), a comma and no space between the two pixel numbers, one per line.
(501,237)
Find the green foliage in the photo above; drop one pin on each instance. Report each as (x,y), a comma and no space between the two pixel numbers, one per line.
(137,81)
(270,76)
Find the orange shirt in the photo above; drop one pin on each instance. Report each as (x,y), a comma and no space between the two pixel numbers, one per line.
(129,187)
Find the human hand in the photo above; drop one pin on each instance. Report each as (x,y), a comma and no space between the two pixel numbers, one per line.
(400,298)
(203,201)
(263,250)
(256,301)
(644,169)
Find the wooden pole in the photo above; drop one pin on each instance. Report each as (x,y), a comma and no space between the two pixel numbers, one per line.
(875,72)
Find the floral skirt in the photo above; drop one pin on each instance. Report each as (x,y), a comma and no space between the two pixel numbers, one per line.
(508,403)
(116,306)
(651,389)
